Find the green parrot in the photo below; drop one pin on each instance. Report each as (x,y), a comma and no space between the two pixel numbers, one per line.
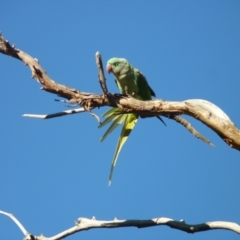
(130,81)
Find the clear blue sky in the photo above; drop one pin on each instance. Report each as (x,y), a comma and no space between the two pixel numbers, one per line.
(55,171)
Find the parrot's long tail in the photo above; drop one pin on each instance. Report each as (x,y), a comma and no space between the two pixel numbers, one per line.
(129,122)
(112,115)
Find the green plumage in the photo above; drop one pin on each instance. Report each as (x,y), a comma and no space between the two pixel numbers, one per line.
(131,79)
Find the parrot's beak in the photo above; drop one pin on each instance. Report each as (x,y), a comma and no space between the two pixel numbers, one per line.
(109,68)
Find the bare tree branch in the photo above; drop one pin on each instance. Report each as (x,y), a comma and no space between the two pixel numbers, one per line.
(86,224)
(24,231)
(80,110)
(101,76)
(190,128)
(53,115)
(204,111)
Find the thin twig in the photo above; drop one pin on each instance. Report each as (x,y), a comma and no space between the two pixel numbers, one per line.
(24,231)
(94,115)
(53,115)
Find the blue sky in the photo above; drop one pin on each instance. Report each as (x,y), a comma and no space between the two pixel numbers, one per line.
(55,171)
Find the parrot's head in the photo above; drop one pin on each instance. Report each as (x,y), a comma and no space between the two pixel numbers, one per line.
(118,66)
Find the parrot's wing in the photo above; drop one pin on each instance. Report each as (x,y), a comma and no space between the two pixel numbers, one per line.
(128,125)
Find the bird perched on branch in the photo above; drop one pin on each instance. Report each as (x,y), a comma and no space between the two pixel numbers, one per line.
(129,81)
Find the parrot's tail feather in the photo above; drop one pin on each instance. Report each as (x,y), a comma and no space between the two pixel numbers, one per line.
(128,126)
(107,120)
(118,120)
(110,115)
(109,112)
(161,120)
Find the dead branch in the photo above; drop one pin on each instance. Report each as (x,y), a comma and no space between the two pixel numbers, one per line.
(22,228)
(101,76)
(86,224)
(204,111)
(58,114)
(190,128)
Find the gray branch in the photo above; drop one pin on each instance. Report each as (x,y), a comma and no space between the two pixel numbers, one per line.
(53,115)
(24,231)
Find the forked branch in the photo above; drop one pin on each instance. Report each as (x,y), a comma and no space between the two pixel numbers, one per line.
(204,111)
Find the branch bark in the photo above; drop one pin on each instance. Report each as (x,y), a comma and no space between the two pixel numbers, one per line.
(86,224)
(101,76)
(204,111)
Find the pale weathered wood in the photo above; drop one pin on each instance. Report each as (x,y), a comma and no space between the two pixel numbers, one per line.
(86,224)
